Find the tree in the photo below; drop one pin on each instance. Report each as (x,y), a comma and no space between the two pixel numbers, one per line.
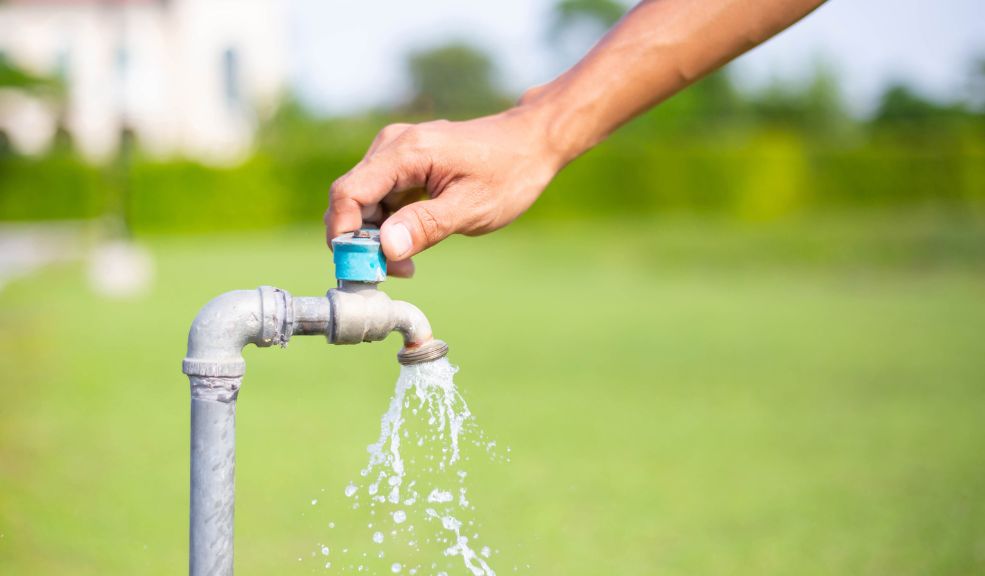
(456,80)
(600,13)
(976,85)
(815,104)
(901,103)
(577,24)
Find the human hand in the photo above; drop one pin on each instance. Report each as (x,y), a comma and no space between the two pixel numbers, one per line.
(424,182)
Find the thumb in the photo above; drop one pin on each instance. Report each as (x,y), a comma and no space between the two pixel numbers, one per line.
(418,226)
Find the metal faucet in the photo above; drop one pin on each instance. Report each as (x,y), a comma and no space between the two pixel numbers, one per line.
(356,311)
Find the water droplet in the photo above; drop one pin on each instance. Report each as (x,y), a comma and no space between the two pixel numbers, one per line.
(439,496)
(399,516)
(396,567)
(378,537)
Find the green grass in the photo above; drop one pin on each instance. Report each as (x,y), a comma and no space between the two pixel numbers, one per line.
(692,398)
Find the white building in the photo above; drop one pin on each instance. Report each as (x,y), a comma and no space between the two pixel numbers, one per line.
(188,77)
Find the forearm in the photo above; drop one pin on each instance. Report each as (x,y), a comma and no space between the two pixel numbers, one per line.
(657,49)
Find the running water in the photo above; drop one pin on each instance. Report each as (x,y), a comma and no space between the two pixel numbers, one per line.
(420,519)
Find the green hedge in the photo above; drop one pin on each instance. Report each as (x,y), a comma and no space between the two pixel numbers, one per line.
(754,173)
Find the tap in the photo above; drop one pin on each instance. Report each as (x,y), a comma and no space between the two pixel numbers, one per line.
(355,311)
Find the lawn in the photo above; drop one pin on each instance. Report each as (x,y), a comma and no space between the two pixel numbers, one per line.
(681,397)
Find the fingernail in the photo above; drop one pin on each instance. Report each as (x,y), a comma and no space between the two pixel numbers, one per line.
(398,237)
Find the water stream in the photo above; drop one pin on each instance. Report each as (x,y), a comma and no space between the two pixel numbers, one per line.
(413,492)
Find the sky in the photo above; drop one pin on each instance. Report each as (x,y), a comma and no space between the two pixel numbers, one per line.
(348,55)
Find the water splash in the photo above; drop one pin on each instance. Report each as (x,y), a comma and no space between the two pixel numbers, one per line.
(414,478)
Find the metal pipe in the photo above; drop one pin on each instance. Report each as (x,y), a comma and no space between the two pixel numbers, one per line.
(213,466)
(215,367)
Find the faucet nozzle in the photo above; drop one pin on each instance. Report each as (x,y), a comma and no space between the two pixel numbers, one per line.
(427,352)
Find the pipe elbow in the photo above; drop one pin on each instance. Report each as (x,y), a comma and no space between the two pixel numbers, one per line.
(229,322)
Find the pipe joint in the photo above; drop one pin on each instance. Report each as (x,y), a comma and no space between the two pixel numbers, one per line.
(276,317)
(229,322)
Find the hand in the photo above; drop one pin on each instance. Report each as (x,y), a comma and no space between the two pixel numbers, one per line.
(480,175)
(427,181)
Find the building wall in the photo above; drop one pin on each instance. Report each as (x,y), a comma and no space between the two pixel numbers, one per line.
(218,39)
(188,77)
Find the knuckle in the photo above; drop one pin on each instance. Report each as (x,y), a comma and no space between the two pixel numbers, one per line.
(343,188)
(483,219)
(338,189)
(391,131)
(431,226)
(414,138)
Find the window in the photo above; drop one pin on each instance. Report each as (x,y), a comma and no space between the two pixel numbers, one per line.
(230,77)
(121,61)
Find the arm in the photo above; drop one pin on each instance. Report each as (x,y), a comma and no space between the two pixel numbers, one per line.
(481,174)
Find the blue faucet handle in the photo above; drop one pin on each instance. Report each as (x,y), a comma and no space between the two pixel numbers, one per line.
(358,256)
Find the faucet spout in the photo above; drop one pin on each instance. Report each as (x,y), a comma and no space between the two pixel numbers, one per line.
(362,313)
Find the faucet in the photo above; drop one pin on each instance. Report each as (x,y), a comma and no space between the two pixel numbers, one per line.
(353,312)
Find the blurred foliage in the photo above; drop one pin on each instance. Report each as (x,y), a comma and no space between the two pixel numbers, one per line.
(783,150)
(12,76)
(976,87)
(455,81)
(815,106)
(575,25)
(599,13)
(902,104)
(57,186)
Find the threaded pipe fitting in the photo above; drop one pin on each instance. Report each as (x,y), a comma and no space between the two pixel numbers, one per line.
(427,352)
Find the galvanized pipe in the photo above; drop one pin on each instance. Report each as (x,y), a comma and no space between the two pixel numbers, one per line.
(215,368)
(213,467)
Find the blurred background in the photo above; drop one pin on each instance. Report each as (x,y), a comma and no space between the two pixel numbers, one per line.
(742,336)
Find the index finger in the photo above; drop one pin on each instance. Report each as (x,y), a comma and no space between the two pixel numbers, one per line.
(343,215)
(388,170)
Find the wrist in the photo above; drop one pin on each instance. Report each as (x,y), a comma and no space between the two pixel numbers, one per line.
(562,136)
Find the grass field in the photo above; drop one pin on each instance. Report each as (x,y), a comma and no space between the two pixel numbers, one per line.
(681,397)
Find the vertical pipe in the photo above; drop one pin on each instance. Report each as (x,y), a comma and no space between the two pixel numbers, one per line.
(213,466)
